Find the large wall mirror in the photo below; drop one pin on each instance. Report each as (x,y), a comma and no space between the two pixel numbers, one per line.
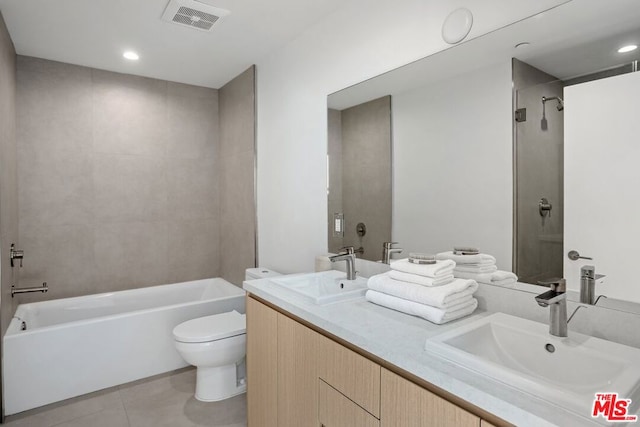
(522,143)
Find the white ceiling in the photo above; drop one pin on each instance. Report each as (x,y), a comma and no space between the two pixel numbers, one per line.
(95,33)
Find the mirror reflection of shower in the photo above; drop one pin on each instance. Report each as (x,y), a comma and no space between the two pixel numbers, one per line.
(560,105)
(543,122)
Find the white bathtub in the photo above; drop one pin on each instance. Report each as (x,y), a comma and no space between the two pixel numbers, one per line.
(79,345)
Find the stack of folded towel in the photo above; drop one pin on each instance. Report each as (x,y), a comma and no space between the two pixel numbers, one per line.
(426,290)
(479,267)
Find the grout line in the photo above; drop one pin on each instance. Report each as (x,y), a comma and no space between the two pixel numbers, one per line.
(124,407)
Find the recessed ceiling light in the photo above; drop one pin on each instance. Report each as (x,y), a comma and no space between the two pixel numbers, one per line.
(522,45)
(628,48)
(131,55)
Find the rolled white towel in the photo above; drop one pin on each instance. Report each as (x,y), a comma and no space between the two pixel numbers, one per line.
(432,314)
(475,269)
(437,296)
(420,280)
(481,259)
(437,270)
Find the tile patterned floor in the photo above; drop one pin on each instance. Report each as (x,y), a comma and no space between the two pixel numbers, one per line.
(164,400)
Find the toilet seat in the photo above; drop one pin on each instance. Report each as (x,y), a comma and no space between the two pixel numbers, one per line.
(211,328)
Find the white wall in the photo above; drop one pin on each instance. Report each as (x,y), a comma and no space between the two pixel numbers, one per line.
(602,208)
(359,41)
(453,179)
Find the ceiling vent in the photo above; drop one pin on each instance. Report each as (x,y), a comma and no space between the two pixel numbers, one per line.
(193,14)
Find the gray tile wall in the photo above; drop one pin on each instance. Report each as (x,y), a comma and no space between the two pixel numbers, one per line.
(118,180)
(334,199)
(237,176)
(366,175)
(539,169)
(8,172)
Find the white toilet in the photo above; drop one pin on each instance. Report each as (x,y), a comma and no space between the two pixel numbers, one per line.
(216,345)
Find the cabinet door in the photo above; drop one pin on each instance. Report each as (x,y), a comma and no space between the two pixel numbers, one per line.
(298,348)
(405,404)
(335,410)
(262,364)
(351,374)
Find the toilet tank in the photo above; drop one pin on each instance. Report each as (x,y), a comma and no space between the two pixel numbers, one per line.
(259,273)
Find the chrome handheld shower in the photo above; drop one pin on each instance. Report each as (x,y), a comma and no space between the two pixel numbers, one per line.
(560,105)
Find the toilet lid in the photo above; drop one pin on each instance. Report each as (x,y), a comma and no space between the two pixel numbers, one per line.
(211,328)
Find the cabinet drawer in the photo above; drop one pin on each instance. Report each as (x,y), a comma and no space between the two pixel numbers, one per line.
(335,410)
(405,404)
(354,376)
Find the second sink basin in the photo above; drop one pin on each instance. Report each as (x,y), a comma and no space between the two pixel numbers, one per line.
(521,353)
(324,287)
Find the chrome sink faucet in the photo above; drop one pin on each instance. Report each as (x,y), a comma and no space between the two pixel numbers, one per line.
(588,278)
(350,257)
(556,300)
(388,250)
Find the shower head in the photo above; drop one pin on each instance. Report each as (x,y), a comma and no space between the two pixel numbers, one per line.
(560,105)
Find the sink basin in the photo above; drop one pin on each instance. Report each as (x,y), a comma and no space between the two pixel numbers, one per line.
(324,287)
(521,353)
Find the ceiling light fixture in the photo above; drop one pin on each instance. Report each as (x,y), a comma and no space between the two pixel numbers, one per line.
(628,48)
(130,55)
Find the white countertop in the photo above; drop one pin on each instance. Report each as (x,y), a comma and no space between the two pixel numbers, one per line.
(399,339)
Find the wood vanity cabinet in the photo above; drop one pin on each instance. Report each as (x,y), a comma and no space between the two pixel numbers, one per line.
(336,410)
(405,404)
(298,363)
(297,377)
(262,365)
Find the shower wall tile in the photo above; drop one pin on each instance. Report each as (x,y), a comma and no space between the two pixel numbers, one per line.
(8,171)
(129,188)
(46,124)
(131,255)
(237,176)
(194,250)
(118,180)
(190,91)
(192,188)
(61,255)
(237,216)
(129,114)
(237,196)
(237,115)
(366,175)
(192,124)
(55,188)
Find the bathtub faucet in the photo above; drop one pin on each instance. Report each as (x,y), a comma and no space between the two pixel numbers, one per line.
(15,254)
(44,288)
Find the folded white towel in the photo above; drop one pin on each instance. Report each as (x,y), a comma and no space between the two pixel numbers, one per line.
(420,280)
(437,296)
(500,277)
(504,283)
(437,270)
(475,269)
(467,259)
(478,277)
(432,314)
